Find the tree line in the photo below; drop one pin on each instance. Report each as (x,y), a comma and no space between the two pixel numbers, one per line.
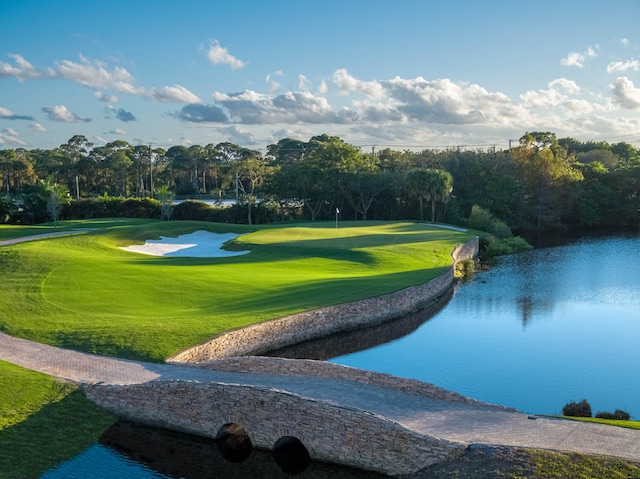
(542,183)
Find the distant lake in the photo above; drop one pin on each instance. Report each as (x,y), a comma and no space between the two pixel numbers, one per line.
(534,332)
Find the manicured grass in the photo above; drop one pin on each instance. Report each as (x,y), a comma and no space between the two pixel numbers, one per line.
(610,422)
(43,422)
(84,292)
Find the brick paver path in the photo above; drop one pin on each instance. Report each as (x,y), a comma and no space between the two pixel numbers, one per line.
(468,424)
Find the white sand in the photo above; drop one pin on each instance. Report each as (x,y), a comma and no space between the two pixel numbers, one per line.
(199,244)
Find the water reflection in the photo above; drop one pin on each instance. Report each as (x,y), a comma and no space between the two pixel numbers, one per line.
(534,332)
(133,451)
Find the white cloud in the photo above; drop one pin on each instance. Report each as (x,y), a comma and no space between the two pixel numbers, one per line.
(323,88)
(9,135)
(577,59)
(625,94)
(346,83)
(250,107)
(97,75)
(624,42)
(219,55)
(237,135)
(623,66)
(105,98)
(60,113)
(94,74)
(303,83)
(21,70)
(553,96)
(7,114)
(38,127)
(174,94)
(117,131)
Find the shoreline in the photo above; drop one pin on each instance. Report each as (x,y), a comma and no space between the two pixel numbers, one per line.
(283,332)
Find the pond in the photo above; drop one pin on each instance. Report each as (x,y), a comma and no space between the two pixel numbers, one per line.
(533,332)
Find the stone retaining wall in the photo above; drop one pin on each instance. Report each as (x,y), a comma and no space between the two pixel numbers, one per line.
(330,433)
(282,332)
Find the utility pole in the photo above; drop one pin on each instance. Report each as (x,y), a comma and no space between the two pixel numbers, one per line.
(150,173)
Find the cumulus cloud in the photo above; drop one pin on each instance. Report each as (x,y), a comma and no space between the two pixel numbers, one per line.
(623,66)
(250,107)
(626,94)
(10,136)
(105,98)
(60,113)
(37,127)
(219,55)
(98,76)
(347,83)
(174,94)
(577,59)
(21,69)
(554,95)
(95,74)
(6,114)
(444,101)
(197,113)
(237,135)
(120,113)
(117,131)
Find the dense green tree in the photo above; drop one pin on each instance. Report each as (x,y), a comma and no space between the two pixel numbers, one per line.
(428,184)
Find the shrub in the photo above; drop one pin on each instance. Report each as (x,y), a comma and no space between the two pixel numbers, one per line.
(577,409)
(484,220)
(618,415)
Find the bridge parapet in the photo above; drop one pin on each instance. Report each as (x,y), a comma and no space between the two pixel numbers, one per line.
(312,368)
(330,433)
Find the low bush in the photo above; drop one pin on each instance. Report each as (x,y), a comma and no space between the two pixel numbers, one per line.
(577,409)
(618,415)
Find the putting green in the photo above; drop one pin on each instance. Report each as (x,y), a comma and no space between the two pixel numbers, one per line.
(85,293)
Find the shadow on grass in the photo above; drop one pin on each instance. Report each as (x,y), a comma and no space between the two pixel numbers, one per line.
(56,433)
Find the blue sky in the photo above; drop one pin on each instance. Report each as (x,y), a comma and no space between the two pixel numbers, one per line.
(403,74)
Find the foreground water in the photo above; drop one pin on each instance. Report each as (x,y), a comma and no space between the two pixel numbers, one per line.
(534,332)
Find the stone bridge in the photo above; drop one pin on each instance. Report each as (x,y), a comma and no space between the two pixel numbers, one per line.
(349,416)
(327,408)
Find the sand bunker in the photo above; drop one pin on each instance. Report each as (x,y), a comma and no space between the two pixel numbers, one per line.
(199,244)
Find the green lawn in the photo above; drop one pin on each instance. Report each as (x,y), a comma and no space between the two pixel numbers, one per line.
(84,292)
(43,422)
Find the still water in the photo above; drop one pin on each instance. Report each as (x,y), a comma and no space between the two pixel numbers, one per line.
(534,332)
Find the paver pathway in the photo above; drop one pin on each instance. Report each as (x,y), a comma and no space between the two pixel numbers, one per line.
(469,424)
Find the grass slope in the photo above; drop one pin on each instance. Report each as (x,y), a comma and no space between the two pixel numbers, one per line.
(43,422)
(84,292)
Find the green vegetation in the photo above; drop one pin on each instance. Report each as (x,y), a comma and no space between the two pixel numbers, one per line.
(481,462)
(542,183)
(577,409)
(43,422)
(610,422)
(83,292)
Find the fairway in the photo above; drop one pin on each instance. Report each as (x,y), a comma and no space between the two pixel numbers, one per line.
(84,292)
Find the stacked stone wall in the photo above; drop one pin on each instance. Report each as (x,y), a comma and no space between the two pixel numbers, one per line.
(330,433)
(282,332)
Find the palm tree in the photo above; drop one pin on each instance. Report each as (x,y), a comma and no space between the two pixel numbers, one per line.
(430,185)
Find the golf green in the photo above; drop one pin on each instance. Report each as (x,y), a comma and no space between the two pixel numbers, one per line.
(84,292)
